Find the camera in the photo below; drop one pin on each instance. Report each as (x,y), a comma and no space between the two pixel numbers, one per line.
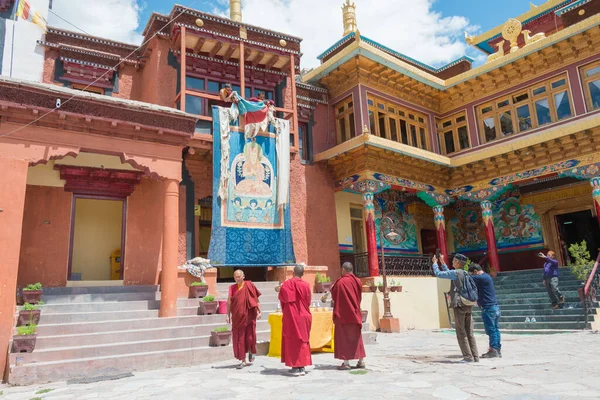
(58,103)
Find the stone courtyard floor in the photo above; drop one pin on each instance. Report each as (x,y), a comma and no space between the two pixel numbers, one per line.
(410,365)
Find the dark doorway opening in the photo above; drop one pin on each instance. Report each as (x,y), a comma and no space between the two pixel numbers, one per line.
(429,241)
(576,227)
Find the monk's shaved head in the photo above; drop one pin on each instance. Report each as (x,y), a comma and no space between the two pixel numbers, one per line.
(347,266)
(299,270)
(238,276)
(239,272)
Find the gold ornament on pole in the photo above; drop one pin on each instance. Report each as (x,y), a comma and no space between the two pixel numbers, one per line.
(349,15)
(511,31)
(235,10)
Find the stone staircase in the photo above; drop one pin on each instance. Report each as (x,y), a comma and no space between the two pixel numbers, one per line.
(521,295)
(88,333)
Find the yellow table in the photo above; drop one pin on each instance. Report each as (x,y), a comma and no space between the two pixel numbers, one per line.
(321,332)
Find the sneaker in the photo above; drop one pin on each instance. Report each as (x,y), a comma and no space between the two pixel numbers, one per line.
(466,360)
(361,365)
(499,353)
(562,300)
(555,306)
(295,372)
(251,358)
(302,371)
(492,353)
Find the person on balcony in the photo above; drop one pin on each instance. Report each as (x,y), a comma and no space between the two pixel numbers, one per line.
(463,318)
(490,311)
(550,280)
(227,94)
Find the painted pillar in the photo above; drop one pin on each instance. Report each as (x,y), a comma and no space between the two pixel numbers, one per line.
(490,235)
(440,228)
(595,182)
(12,203)
(369,214)
(170,243)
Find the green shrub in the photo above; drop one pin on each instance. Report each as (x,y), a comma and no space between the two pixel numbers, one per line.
(30,307)
(208,298)
(221,329)
(198,284)
(26,330)
(380,283)
(33,286)
(319,278)
(583,263)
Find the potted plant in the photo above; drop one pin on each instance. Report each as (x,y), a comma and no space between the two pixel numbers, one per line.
(379,286)
(220,336)
(208,305)
(24,340)
(32,293)
(365,314)
(395,286)
(29,314)
(322,283)
(198,289)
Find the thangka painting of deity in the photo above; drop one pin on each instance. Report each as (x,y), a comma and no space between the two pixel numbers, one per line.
(399,229)
(467,228)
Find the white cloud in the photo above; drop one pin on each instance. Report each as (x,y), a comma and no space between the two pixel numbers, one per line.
(410,27)
(111,19)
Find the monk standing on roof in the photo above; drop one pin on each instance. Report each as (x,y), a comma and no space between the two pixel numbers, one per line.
(346,294)
(295,296)
(243,309)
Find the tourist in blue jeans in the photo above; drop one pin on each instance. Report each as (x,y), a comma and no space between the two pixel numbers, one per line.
(490,311)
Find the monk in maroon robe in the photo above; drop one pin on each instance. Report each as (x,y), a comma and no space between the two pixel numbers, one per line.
(346,294)
(295,296)
(243,309)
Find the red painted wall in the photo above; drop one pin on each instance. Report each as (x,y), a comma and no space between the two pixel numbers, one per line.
(127,75)
(157,82)
(46,229)
(143,242)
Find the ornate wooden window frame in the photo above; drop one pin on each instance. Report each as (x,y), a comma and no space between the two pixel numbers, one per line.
(586,80)
(453,124)
(91,89)
(393,115)
(510,103)
(344,120)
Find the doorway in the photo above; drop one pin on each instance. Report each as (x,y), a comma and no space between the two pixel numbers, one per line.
(358,230)
(429,241)
(97,239)
(574,228)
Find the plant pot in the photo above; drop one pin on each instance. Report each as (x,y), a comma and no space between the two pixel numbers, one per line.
(28,317)
(398,289)
(372,289)
(366,289)
(322,287)
(23,343)
(365,314)
(220,338)
(198,291)
(32,296)
(380,288)
(208,307)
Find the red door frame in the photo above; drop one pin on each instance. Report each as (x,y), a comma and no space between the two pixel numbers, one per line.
(123,226)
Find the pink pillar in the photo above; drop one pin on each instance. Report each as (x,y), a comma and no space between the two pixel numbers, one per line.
(595,182)
(369,214)
(168,281)
(490,235)
(440,228)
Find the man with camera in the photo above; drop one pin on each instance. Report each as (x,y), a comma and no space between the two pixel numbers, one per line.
(463,296)
(490,311)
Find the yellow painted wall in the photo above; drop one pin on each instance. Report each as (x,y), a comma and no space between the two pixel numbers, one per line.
(342,210)
(44,175)
(420,305)
(96,161)
(97,234)
(203,239)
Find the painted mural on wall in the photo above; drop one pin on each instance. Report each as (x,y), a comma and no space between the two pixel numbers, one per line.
(516,225)
(399,230)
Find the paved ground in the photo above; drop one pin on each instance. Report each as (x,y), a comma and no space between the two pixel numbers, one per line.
(411,365)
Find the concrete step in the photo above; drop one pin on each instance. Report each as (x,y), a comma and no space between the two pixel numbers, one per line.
(539,271)
(532,331)
(538,306)
(142,345)
(533,279)
(524,300)
(534,313)
(543,325)
(539,318)
(100,297)
(106,306)
(69,291)
(534,287)
(536,295)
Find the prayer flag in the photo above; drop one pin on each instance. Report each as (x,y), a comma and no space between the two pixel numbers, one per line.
(30,14)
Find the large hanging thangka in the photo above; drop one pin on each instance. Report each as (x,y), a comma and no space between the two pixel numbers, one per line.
(251,214)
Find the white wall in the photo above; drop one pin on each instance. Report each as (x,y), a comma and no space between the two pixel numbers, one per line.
(26,55)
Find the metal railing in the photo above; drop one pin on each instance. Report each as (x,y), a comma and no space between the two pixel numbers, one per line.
(396,265)
(360,261)
(587,292)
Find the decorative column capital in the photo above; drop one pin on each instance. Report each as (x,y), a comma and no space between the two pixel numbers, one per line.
(486,211)
(438,217)
(368,206)
(595,183)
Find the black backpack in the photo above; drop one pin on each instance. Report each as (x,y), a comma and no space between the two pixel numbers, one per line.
(468,293)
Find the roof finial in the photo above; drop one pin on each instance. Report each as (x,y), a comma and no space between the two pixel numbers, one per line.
(349,15)
(235,10)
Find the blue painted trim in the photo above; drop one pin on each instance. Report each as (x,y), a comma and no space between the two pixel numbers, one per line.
(571,7)
(336,45)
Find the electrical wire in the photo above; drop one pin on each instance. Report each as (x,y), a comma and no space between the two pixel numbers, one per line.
(100,77)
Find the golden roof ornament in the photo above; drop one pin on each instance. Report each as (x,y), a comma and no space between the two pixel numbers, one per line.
(469,39)
(511,31)
(349,16)
(235,10)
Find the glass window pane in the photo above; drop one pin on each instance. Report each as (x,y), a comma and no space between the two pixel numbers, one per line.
(563,107)
(413,136)
(461,119)
(269,95)
(558,84)
(356,213)
(449,141)
(524,117)
(213,87)
(381,106)
(235,88)
(301,141)
(382,128)
(463,137)
(447,124)
(593,71)
(342,128)
(341,109)
(372,122)
(194,83)
(411,116)
(539,90)
(193,104)
(520,97)
(489,126)
(421,120)
(350,105)
(352,131)
(390,109)
(403,132)
(370,102)
(423,138)
(393,130)
(542,109)
(486,110)
(506,124)
(595,93)
(401,113)
(503,103)
(248,93)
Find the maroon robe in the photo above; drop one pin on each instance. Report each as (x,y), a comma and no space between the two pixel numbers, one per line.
(244,311)
(295,296)
(346,294)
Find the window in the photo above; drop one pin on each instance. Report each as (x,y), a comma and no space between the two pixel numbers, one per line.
(344,115)
(393,122)
(194,83)
(454,134)
(89,89)
(541,104)
(591,85)
(304,142)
